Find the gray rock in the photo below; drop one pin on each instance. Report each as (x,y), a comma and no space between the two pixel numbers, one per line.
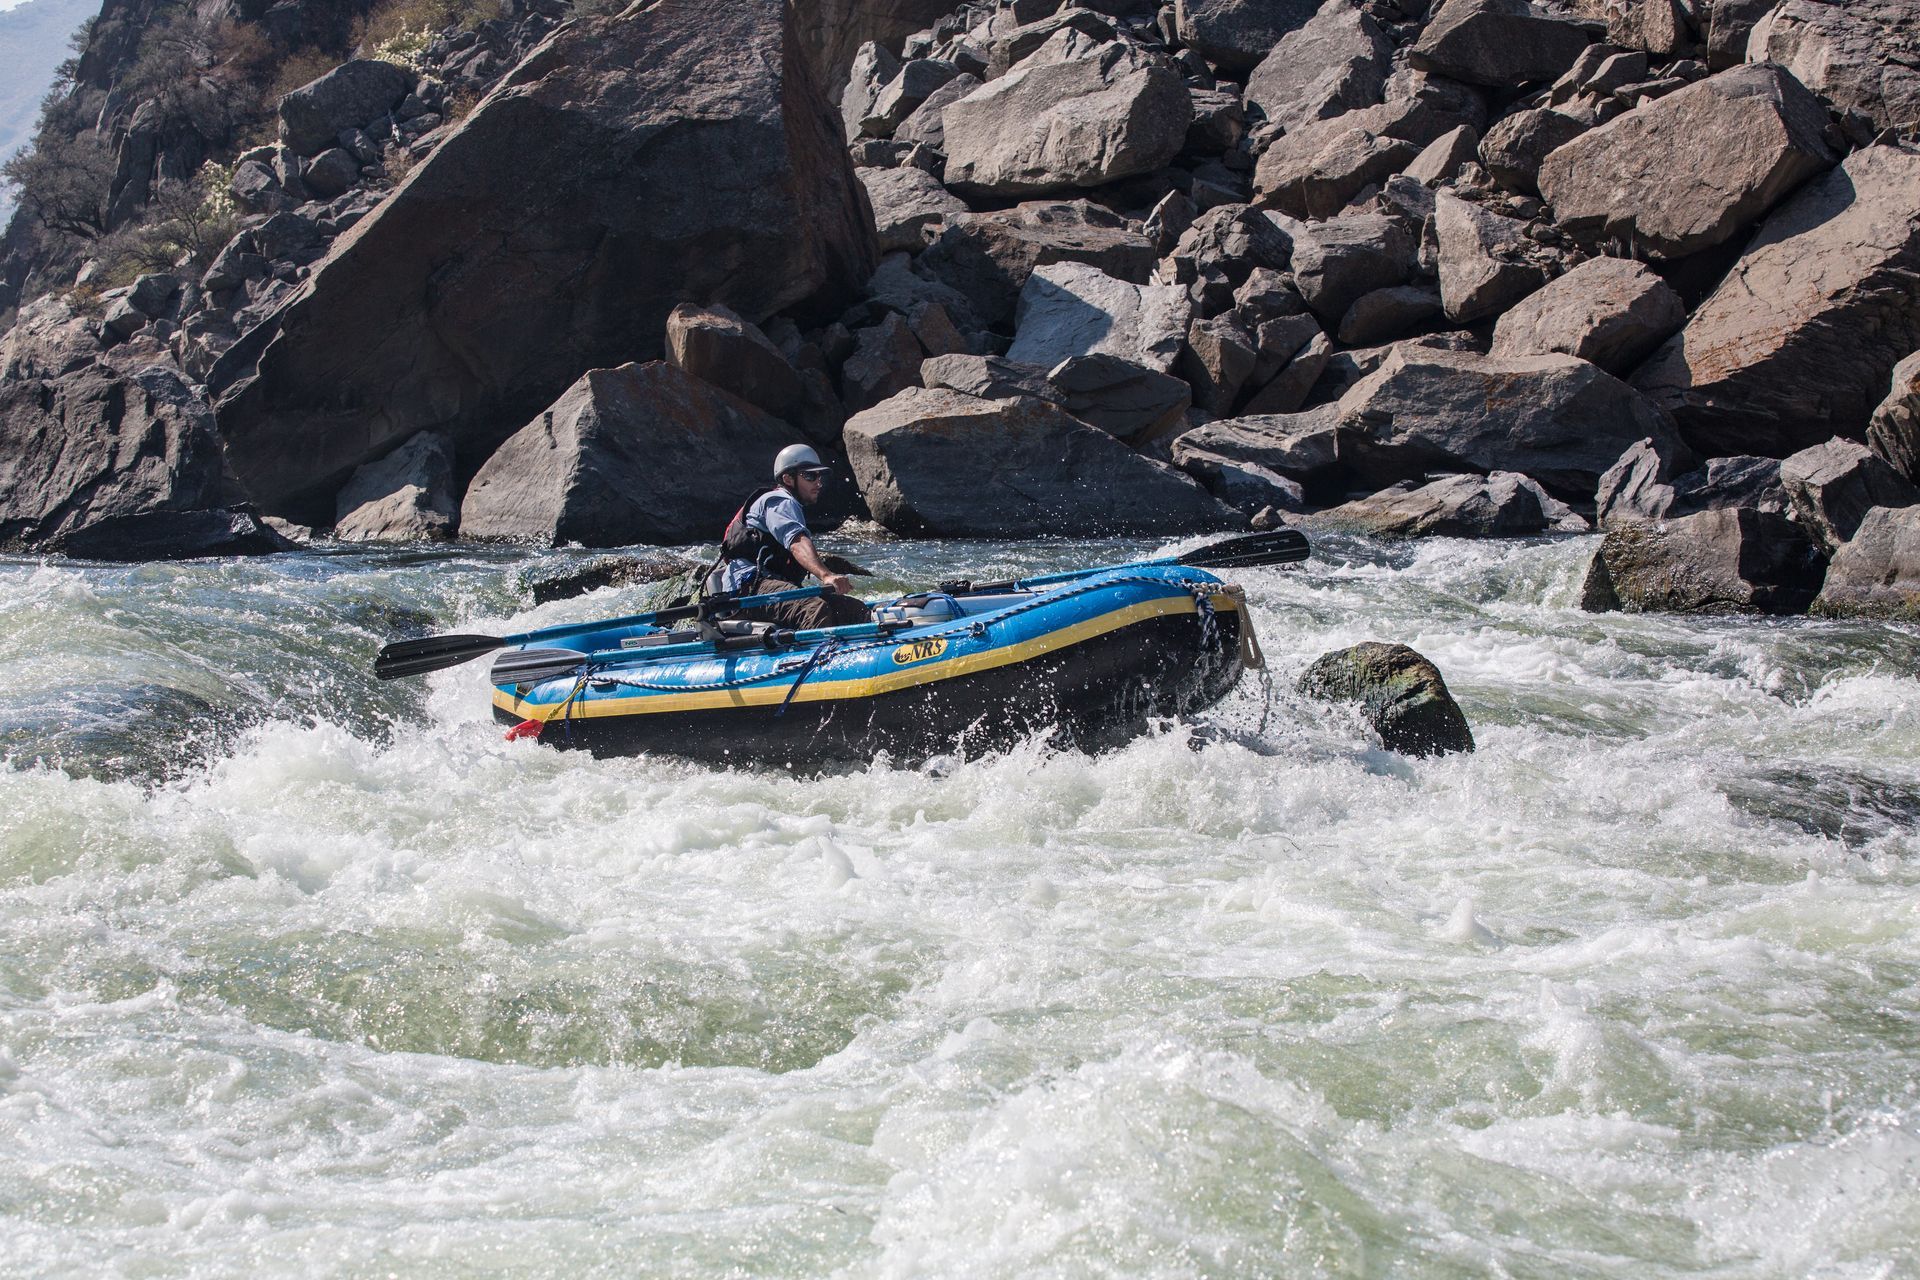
(1109,113)
(1219,358)
(886,360)
(1799,341)
(122,320)
(1387,314)
(926,125)
(1659,27)
(873,66)
(1169,220)
(175,535)
(987,258)
(1289,386)
(1443,156)
(600,572)
(1557,419)
(87,437)
(331,172)
(1245,486)
(1484,260)
(1303,447)
(1496,42)
(1610,311)
(1500,505)
(641,453)
(1832,486)
(1335,63)
(1730,26)
(256,187)
(584,188)
(1857,55)
(153,293)
(724,349)
(1335,262)
(1734,560)
(1515,146)
(1663,179)
(407,496)
(1236,34)
(1053,37)
(1640,486)
(910,206)
(1316,172)
(916,81)
(1135,403)
(1070,309)
(350,95)
(831,32)
(1894,430)
(986,377)
(1877,573)
(1402,695)
(937,463)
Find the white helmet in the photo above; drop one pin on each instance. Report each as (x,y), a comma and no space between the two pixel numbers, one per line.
(795,457)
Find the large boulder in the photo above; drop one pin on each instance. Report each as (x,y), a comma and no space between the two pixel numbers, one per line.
(942,464)
(1857,55)
(175,535)
(407,496)
(1335,63)
(1135,403)
(641,453)
(1316,171)
(1304,447)
(584,188)
(1733,560)
(723,349)
(1692,169)
(1403,696)
(1611,311)
(1655,480)
(1484,260)
(1335,262)
(986,258)
(355,93)
(1832,487)
(1799,341)
(910,206)
(88,436)
(1497,42)
(1071,309)
(1516,146)
(1109,112)
(1499,505)
(1877,574)
(1237,34)
(1894,430)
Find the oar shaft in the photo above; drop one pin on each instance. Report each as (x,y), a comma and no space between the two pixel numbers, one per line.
(658,616)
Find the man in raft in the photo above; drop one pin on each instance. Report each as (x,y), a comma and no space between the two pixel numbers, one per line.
(767,548)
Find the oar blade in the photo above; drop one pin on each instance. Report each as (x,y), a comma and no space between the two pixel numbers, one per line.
(1276,546)
(430,653)
(535,666)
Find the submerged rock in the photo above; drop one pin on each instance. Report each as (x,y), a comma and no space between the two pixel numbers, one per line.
(605,571)
(175,535)
(1401,693)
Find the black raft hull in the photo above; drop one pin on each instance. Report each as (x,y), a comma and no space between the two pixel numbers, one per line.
(1094,694)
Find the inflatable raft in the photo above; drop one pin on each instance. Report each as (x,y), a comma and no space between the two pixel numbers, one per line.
(1088,656)
(1092,660)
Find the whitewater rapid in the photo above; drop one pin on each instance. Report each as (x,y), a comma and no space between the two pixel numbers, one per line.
(304,974)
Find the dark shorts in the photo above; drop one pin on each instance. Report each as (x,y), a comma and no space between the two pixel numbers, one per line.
(802,615)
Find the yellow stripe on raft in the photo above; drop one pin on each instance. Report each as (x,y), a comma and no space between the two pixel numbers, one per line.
(817,690)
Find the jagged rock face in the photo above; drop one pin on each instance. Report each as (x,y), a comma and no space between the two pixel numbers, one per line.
(1734,560)
(909,205)
(1877,574)
(1514,148)
(1106,112)
(1894,432)
(1861,54)
(1610,311)
(1693,169)
(641,453)
(1334,64)
(929,463)
(1497,42)
(87,436)
(1403,696)
(987,258)
(1483,260)
(715,345)
(627,165)
(1335,262)
(1799,341)
(1070,309)
(1832,487)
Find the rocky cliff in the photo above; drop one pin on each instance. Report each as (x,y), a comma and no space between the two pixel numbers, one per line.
(1476,266)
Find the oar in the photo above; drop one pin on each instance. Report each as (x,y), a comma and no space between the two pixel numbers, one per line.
(431,653)
(1277,546)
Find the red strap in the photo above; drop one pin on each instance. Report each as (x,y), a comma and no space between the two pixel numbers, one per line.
(525,729)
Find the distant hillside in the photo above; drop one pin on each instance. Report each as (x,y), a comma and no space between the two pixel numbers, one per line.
(33,41)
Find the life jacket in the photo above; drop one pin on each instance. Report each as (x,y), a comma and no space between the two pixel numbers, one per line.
(759,548)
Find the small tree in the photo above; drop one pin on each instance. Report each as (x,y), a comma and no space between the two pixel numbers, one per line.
(63,181)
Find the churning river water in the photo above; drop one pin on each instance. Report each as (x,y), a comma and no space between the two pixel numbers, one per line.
(304,974)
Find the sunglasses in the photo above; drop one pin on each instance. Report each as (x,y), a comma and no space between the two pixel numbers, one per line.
(816,473)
